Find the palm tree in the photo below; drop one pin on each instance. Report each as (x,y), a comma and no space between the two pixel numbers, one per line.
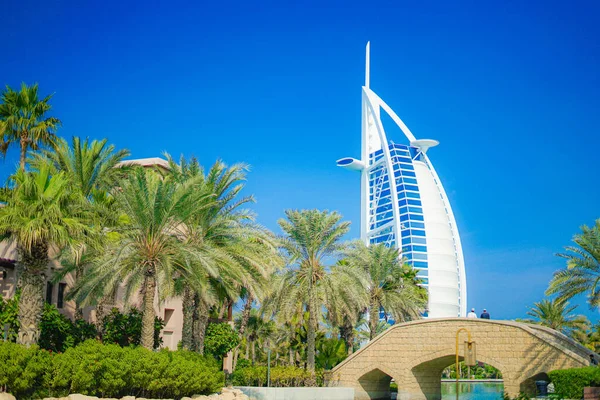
(311,237)
(259,330)
(23,120)
(558,315)
(91,168)
(582,274)
(39,213)
(242,252)
(392,286)
(151,250)
(365,331)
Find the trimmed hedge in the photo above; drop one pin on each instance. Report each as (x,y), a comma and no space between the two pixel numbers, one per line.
(107,371)
(569,383)
(280,376)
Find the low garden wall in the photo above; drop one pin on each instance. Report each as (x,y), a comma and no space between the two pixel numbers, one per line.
(298,393)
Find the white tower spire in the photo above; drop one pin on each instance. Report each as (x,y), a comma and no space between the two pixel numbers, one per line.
(368,65)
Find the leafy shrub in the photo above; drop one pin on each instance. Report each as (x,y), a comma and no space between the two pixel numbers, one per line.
(394,387)
(23,369)
(126,329)
(220,339)
(243,363)
(96,369)
(330,352)
(280,376)
(569,383)
(57,332)
(9,310)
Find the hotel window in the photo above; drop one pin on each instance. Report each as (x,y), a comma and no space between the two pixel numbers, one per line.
(49,289)
(61,295)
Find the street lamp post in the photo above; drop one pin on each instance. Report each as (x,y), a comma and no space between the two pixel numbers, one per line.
(470,356)
(268,349)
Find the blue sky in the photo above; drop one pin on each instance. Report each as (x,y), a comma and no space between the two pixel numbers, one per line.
(510,90)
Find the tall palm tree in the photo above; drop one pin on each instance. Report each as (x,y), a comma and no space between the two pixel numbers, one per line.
(243,253)
(582,274)
(91,167)
(23,120)
(259,330)
(39,213)
(311,238)
(151,250)
(558,315)
(392,285)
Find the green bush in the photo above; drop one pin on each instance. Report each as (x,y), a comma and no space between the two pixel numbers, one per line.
(280,376)
(126,329)
(58,333)
(9,309)
(220,339)
(569,383)
(96,369)
(24,369)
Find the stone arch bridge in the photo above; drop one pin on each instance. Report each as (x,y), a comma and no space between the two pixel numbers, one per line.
(414,354)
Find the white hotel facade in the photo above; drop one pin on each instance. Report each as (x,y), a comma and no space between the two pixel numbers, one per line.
(404,205)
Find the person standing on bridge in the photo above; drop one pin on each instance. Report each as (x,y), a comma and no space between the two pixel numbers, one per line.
(485,314)
(472,314)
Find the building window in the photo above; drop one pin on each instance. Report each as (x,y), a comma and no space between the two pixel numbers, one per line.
(61,295)
(49,289)
(4,274)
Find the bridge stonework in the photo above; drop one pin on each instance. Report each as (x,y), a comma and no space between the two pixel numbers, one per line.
(414,354)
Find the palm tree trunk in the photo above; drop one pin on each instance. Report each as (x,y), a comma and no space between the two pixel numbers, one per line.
(31,270)
(246,314)
(347,334)
(243,325)
(311,339)
(373,317)
(103,308)
(23,156)
(200,324)
(292,357)
(187,336)
(78,309)
(253,351)
(148,312)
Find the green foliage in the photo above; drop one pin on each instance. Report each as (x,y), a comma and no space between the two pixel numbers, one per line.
(394,387)
(243,363)
(330,352)
(23,369)
(480,371)
(581,272)
(280,376)
(126,329)
(569,383)
(107,371)
(559,315)
(9,310)
(520,396)
(220,339)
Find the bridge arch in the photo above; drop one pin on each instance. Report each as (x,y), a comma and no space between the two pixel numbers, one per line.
(414,354)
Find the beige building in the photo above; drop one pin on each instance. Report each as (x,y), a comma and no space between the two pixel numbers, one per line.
(170,311)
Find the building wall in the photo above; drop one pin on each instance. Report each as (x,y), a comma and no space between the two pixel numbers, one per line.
(170,310)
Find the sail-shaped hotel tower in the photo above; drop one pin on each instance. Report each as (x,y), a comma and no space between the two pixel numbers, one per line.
(404,205)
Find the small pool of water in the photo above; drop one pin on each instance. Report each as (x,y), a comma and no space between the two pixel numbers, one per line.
(473,390)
